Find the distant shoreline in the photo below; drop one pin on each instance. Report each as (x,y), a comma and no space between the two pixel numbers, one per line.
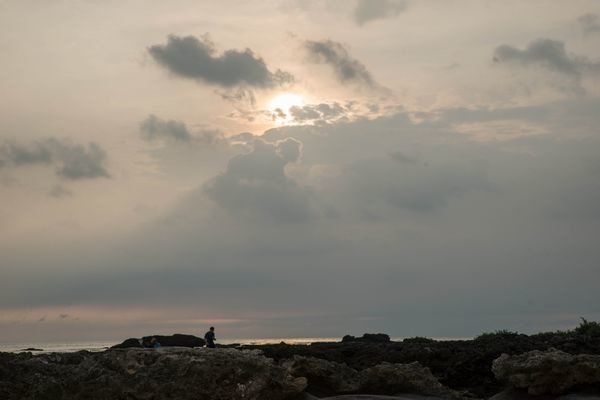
(101,345)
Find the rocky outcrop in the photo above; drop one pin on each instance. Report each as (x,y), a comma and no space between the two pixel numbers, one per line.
(176,340)
(462,365)
(547,372)
(166,373)
(367,338)
(324,377)
(387,378)
(327,378)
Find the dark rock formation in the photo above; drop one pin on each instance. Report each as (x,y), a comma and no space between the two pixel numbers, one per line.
(367,338)
(176,340)
(386,378)
(514,394)
(32,349)
(176,373)
(462,365)
(324,377)
(327,378)
(547,372)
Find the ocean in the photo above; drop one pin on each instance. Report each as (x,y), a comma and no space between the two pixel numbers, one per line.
(103,345)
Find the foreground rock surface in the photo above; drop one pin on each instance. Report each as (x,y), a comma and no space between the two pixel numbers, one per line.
(173,373)
(547,372)
(176,340)
(328,378)
(462,365)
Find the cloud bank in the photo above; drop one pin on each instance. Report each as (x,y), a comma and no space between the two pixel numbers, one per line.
(72,161)
(549,54)
(371,10)
(193,58)
(347,69)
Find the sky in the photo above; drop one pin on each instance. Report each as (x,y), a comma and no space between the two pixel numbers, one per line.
(298,168)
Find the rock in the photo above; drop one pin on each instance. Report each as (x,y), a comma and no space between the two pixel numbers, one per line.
(165,373)
(368,337)
(176,340)
(324,377)
(547,372)
(32,349)
(514,394)
(387,378)
(375,397)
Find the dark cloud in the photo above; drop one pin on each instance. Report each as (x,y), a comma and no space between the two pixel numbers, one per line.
(549,54)
(155,128)
(17,154)
(256,185)
(590,23)
(81,163)
(346,68)
(194,58)
(72,161)
(239,95)
(318,113)
(370,10)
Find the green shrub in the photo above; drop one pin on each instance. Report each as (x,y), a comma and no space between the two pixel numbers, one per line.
(588,328)
(497,335)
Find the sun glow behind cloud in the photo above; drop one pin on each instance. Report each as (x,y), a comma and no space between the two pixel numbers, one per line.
(280,106)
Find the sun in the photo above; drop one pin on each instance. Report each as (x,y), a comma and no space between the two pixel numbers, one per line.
(281,104)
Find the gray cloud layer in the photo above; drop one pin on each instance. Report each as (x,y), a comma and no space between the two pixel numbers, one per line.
(256,185)
(73,161)
(190,57)
(334,54)
(370,10)
(409,211)
(590,23)
(155,128)
(549,54)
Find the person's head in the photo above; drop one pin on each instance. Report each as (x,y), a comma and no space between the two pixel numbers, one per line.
(212,328)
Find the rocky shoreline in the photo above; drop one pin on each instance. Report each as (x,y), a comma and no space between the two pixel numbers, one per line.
(499,366)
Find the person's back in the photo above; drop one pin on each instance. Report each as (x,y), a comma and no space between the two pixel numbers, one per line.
(210,338)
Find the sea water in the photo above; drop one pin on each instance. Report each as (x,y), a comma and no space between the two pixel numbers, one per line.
(103,345)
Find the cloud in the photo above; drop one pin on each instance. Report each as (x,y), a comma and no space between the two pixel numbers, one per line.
(590,23)
(155,128)
(59,191)
(405,196)
(346,68)
(72,161)
(549,54)
(194,58)
(17,154)
(318,113)
(239,95)
(370,10)
(256,185)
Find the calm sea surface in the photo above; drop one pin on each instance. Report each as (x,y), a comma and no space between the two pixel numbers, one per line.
(103,345)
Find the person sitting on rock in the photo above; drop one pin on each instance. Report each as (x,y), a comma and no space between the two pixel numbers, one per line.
(210,338)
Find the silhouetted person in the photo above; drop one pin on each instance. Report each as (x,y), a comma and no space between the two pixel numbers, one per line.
(210,338)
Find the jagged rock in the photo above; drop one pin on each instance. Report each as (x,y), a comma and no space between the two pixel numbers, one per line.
(166,373)
(176,340)
(514,394)
(387,378)
(324,377)
(375,397)
(331,378)
(367,337)
(547,372)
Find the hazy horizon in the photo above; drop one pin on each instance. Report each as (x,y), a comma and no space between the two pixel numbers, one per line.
(298,168)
